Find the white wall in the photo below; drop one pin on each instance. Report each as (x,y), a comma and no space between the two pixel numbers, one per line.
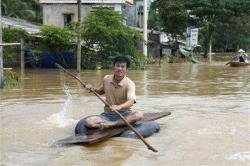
(132,13)
(54,14)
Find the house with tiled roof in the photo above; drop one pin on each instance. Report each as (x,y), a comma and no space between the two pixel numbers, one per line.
(62,12)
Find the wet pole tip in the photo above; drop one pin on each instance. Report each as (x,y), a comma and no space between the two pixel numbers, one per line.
(153,149)
(58,66)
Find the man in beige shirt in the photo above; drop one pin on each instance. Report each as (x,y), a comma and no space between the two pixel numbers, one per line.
(119,92)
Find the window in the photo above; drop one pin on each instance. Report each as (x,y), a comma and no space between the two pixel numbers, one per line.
(140,16)
(140,10)
(68,18)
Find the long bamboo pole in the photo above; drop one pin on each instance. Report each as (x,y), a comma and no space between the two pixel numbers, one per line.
(145,28)
(22,56)
(1,49)
(97,95)
(79,22)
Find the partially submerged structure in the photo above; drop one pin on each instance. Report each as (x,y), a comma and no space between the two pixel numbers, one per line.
(62,12)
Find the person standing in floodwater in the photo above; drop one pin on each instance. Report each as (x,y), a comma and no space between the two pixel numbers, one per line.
(119,92)
(242,56)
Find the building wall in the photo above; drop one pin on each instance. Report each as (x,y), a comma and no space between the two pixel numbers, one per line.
(53,14)
(134,14)
(130,12)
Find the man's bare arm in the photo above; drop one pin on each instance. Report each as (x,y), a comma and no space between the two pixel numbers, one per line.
(129,103)
(99,90)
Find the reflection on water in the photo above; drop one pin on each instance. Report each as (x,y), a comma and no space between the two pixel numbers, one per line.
(209,125)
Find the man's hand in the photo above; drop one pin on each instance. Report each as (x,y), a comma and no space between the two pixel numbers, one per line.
(90,87)
(116,107)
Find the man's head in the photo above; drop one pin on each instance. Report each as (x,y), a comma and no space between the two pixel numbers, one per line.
(121,65)
(122,59)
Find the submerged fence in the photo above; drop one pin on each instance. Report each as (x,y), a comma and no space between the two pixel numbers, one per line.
(1,59)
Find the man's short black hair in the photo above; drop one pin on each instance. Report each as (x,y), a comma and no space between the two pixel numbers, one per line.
(122,59)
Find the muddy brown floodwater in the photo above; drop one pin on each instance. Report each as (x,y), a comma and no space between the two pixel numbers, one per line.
(209,125)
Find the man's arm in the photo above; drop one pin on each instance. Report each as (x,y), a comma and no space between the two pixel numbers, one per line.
(99,90)
(129,103)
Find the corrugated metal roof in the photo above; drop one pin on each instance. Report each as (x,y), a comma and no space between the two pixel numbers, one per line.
(19,23)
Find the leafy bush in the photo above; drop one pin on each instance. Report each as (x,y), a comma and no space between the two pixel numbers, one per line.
(14,35)
(56,40)
(106,34)
(11,79)
(12,53)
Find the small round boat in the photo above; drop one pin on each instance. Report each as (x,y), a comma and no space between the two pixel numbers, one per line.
(238,64)
(83,135)
(145,129)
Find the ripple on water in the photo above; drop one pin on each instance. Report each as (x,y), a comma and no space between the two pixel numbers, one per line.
(241,156)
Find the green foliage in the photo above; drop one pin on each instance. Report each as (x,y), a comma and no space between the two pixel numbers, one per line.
(24,9)
(12,53)
(154,21)
(233,35)
(210,14)
(11,79)
(14,35)
(105,34)
(173,15)
(56,39)
(224,22)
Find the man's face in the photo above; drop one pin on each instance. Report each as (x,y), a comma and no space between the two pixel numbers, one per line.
(120,69)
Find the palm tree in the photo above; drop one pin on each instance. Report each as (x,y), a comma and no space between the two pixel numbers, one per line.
(19,9)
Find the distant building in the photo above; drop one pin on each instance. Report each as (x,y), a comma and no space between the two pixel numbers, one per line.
(134,13)
(62,12)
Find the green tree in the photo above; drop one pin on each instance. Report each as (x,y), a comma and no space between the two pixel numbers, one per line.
(154,21)
(223,21)
(233,35)
(12,35)
(105,34)
(173,15)
(57,40)
(24,9)
(209,14)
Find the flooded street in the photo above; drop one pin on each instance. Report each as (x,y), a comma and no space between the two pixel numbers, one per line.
(209,125)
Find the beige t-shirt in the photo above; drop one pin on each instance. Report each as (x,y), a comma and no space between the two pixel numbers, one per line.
(117,94)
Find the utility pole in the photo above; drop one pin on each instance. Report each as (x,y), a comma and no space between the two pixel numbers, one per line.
(1,48)
(22,56)
(210,51)
(79,24)
(145,28)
